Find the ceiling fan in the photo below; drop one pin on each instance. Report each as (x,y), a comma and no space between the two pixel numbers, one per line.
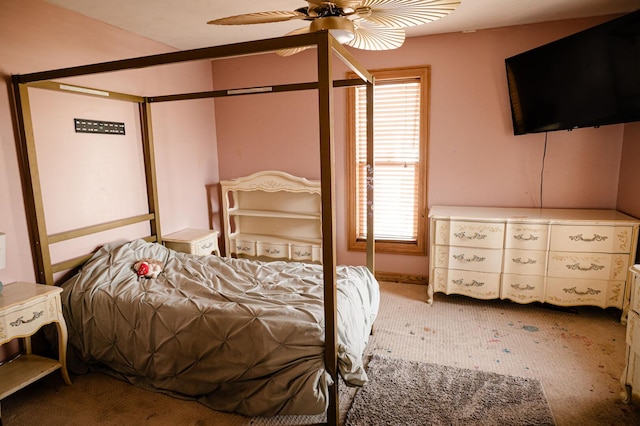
(363,24)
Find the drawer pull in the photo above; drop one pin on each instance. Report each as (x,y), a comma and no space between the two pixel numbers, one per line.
(579,237)
(20,321)
(589,291)
(475,258)
(473,283)
(476,236)
(524,262)
(521,237)
(243,248)
(518,286)
(272,251)
(302,253)
(577,267)
(206,246)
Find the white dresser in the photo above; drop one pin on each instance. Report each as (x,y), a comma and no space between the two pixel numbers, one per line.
(272,215)
(631,375)
(564,257)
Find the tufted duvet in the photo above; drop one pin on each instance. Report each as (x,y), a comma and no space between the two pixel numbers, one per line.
(238,335)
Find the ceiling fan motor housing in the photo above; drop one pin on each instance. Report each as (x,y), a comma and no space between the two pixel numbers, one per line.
(340,28)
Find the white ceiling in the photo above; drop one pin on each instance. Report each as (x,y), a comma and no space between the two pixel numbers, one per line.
(183,23)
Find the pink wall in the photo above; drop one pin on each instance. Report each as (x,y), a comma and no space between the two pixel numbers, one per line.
(36,36)
(474,157)
(628,194)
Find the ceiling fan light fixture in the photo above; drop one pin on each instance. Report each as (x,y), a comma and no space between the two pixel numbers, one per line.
(340,28)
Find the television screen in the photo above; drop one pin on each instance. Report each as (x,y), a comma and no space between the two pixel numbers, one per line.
(588,79)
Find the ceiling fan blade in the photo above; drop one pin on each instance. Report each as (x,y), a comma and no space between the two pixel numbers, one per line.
(375,37)
(405,13)
(258,18)
(294,50)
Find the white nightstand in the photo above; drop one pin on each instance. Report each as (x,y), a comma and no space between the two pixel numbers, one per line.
(193,241)
(24,309)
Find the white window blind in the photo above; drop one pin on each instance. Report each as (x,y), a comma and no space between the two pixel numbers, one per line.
(396,158)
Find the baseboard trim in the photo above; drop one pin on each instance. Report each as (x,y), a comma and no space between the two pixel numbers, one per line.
(395,277)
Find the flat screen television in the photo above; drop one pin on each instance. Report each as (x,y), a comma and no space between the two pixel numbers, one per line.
(588,79)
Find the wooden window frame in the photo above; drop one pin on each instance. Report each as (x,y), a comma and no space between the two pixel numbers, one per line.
(418,247)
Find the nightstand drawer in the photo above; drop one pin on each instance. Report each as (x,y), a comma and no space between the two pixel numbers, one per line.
(27,320)
(205,246)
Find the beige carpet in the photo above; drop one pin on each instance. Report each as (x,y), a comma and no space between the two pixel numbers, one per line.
(577,354)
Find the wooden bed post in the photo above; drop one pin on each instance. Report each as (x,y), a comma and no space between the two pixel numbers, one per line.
(34,205)
(371,239)
(327,180)
(150,168)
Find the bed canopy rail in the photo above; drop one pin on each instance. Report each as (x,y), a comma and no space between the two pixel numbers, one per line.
(41,240)
(326,46)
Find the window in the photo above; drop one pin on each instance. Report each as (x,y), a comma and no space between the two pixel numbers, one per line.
(400,123)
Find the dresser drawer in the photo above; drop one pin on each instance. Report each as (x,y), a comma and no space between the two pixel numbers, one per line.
(480,285)
(469,234)
(523,288)
(301,252)
(529,236)
(468,258)
(206,245)
(525,262)
(306,252)
(243,247)
(601,266)
(273,250)
(575,292)
(316,253)
(606,239)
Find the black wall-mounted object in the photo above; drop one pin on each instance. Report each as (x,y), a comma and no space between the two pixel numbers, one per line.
(588,79)
(83,125)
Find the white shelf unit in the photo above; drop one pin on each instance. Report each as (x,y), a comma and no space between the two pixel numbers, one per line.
(272,215)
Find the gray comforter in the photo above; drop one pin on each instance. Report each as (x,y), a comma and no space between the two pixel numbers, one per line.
(238,335)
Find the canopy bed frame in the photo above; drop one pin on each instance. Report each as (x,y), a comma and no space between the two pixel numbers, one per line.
(326,47)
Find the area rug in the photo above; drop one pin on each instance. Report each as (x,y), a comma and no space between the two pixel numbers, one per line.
(401,392)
